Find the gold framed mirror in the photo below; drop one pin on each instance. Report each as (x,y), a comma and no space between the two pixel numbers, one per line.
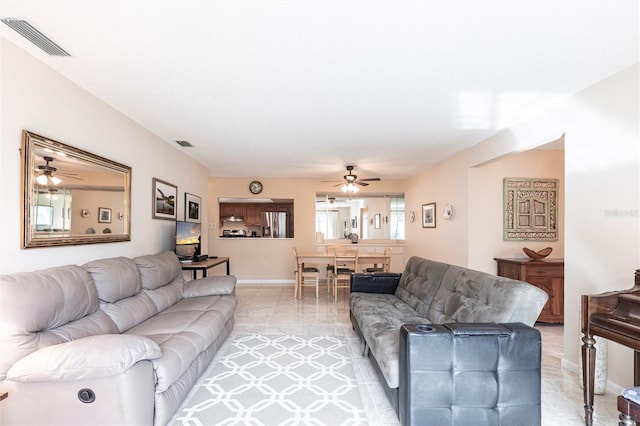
(71,196)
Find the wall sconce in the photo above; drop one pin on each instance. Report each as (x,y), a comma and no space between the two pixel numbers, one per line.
(448,212)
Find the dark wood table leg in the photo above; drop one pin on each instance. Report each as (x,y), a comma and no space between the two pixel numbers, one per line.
(629,412)
(588,376)
(636,368)
(228,271)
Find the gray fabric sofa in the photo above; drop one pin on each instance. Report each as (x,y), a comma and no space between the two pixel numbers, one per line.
(115,341)
(411,325)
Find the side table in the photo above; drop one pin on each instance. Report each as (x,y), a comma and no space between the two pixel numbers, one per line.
(629,412)
(546,274)
(204,265)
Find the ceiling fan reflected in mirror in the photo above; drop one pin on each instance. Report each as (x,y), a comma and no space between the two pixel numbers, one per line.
(350,182)
(47,171)
(331,200)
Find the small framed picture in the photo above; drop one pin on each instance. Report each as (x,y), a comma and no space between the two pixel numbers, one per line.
(104,215)
(377,221)
(165,196)
(429,215)
(191,208)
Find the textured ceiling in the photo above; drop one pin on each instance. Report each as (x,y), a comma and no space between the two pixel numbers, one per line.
(301,88)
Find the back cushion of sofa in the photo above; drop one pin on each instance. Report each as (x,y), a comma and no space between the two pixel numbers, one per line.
(159,269)
(420,282)
(473,296)
(162,279)
(116,278)
(47,307)
(120,291)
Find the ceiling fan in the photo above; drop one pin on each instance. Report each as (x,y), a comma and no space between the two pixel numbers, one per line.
(350,181)
(47,171)
(331,200)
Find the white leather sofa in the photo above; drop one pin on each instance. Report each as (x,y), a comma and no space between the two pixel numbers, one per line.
(116,341)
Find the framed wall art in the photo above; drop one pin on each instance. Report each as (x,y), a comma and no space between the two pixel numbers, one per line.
(377,221)
(164,200)
(104,215)
(429,215)
(191,208)
(530,209)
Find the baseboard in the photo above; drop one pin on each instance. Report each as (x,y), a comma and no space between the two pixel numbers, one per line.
(612,387)
(266,282)
(323,281)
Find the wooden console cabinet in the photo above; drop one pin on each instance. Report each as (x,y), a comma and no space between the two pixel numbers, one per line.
(547,274)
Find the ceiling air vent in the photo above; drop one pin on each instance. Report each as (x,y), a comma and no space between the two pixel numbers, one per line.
(26,30)
(185,144)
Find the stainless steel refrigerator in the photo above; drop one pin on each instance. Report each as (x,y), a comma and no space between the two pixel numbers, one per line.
(274,225)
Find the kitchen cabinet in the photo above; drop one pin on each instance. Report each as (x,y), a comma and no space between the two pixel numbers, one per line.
(546,274)
(251,212)
(231,210)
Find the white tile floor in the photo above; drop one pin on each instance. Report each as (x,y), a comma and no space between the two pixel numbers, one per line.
(273,310)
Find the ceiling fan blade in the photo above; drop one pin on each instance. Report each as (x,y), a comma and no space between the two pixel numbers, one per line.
(370,179)
(334,180)
(70,177)
(361,183)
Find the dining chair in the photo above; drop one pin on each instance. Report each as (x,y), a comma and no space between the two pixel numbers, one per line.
(331,250)
(308,272)
(345,263)
(385,266)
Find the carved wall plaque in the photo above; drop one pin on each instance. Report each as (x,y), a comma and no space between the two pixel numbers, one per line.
(530,209)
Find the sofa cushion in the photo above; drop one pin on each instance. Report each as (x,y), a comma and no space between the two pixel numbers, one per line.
(380,317)
(159,269)
(120,291)
(466,295)
(183,331)
(47,307)
(115,278)
(420,282)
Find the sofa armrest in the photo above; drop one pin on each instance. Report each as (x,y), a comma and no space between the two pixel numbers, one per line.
(216,285)
(471,370)
(89,357)
(377,282)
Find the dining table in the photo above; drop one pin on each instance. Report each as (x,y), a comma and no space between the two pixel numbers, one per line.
(303,258)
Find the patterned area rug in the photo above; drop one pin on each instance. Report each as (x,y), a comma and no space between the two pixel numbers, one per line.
(277,380)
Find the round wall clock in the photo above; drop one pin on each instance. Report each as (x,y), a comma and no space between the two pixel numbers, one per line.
(255,187)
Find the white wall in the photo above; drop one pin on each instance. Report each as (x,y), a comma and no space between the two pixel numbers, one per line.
(442,184)
(601,199)
(602,236)
(36,98)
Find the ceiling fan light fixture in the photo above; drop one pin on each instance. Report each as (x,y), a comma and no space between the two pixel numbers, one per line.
(350,188)
(42,179)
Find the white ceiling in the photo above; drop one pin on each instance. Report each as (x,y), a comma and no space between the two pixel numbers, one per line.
(301,88)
